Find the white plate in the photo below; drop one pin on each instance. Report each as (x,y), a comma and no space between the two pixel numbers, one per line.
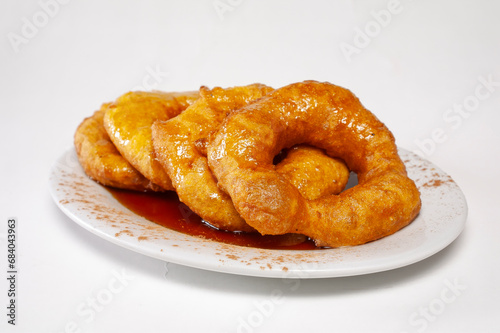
(442,218)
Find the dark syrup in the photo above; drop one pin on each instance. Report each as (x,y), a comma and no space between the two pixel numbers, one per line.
(165,209)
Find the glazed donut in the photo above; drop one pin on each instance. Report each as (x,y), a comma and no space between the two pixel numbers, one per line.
(101,160)
(180,146)
(331,118)
(128,123)
(178,149)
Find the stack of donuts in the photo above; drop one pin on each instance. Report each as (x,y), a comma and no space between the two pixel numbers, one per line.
(257,159)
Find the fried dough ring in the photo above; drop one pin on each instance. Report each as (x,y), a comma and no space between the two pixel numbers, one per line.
(180,147)
(101,160)
(325,116)
(128,123)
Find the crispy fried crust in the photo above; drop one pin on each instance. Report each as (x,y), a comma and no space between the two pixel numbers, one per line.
(128,123)
(101,160)
(328,117)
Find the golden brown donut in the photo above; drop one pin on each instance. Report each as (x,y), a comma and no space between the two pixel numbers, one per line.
(180,145)
(331,118)
(101,160)
(128,123)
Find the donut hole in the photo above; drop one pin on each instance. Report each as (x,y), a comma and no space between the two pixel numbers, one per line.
(280,157)
(353,181)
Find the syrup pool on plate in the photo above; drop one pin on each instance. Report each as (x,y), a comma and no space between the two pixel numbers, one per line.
(165,209)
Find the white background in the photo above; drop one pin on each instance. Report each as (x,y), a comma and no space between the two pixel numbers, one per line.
(419,66)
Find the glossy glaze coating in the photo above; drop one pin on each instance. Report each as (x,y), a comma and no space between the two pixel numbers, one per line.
(128,123)
(101,160)
(328,117)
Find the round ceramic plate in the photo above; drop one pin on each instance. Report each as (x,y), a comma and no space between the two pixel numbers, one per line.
(442,218)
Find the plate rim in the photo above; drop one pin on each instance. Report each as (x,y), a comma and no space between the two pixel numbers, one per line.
(68,161)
